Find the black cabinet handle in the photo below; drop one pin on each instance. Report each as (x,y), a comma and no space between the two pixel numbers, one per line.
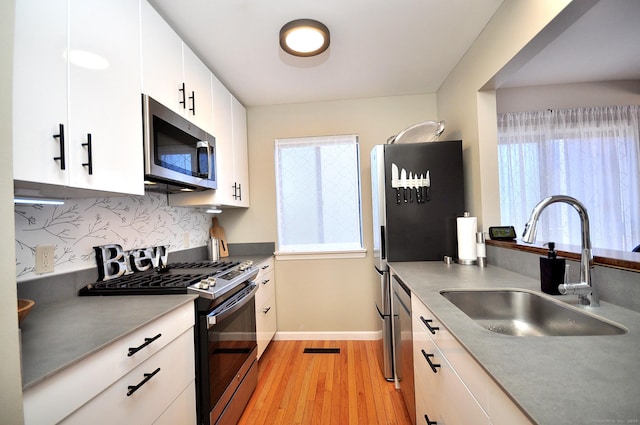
(192,98)
(427,323)
(426,418)
(264,267)
(264,282)
(434,366)
(60,137)
(183,102)
(266,310)
(239,192)
(147,341)
(147,376)
(89,163)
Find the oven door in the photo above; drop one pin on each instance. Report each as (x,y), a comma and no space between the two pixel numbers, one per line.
(232,353)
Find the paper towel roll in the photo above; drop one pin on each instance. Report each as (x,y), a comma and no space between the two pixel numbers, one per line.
(467,228)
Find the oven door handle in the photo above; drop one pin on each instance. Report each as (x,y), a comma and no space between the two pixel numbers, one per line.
(231,306)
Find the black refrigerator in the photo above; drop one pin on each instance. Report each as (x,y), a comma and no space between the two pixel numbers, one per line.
(417,194)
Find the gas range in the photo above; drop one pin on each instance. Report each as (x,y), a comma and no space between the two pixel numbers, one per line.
(207,279)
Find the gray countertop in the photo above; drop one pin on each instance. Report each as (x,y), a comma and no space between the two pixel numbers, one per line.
(57,335)
(555,380)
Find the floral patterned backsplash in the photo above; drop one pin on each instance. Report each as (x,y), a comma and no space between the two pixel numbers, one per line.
(80,224)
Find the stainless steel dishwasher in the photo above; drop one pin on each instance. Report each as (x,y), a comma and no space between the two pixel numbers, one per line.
(403,339)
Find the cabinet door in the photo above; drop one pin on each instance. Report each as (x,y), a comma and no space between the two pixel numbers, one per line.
(240,153)
(105,138)
(39,91)
(161,53)
(197,79)
(224,142)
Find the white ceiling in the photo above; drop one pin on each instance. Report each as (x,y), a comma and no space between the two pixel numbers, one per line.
(604,44)
(378,47)
(387,48)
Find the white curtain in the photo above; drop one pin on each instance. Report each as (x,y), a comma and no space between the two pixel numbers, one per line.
(592,154)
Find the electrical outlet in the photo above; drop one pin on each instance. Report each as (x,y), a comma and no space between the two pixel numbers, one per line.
(186,240)
(44,258)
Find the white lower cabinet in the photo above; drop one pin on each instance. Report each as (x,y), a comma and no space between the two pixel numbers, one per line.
(451,387)
(143,395)
(94,390)
(266,324)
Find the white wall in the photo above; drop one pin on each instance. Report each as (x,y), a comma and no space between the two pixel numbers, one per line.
(320,295)
(471,113)
(10,375)
(564,96)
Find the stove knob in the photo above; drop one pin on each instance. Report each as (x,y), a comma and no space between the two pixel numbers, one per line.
(211,280)
(204,284)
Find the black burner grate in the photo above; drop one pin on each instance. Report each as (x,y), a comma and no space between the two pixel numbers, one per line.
(151,283)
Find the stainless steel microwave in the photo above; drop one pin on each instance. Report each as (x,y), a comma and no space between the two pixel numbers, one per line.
(176,152)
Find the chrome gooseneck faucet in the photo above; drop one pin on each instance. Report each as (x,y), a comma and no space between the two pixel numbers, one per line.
(585,289)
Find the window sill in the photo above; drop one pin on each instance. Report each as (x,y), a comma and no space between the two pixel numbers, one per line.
(321,255)
(623,260)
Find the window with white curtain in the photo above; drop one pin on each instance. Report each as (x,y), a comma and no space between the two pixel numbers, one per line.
(591,154)
(318,194)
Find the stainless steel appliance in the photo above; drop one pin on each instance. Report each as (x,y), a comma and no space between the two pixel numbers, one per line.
(417,193)
(404,344)
(176,151)
(225,328)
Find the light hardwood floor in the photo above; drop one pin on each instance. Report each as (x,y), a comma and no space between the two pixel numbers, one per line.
(346,388)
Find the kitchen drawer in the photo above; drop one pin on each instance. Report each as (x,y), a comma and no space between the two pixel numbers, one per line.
(420,311)
(266,288)
(175,370)
(493,400)
(88,377)
(265,267)
(182,411)
(266,324)
(441,394)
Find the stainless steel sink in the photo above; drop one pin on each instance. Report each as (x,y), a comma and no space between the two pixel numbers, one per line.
(522,313)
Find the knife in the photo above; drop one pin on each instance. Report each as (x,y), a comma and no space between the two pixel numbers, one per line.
(419,183)
(403,183)
(427,184)
(394,181)
(410,186)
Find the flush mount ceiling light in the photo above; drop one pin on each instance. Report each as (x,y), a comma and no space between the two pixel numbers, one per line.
(304,37)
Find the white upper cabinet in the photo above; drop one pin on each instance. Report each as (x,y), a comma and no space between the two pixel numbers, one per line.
(81,76)
(40,92)
(232,168)
(240,154)
(197,79)
(161,60)
(172,74)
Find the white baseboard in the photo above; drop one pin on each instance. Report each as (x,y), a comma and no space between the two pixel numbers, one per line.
(328,336)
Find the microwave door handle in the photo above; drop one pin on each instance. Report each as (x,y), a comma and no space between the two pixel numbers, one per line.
(212,319)
(202,145)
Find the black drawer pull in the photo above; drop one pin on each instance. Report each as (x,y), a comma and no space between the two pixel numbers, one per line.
(89,163)
(434,366)
(147,376)
(192,98)
(183,102)
(60,137)
(147,341)
(264,267)
(266,310)
(264,282)
(426,418)
(427,323)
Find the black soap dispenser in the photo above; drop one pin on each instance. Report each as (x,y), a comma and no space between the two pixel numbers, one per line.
(552,271)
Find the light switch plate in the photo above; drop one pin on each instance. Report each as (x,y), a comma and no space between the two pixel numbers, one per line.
(45,258)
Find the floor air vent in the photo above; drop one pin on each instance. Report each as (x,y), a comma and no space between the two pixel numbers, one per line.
(322,351)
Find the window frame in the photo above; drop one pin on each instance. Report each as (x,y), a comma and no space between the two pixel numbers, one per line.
(297,252)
